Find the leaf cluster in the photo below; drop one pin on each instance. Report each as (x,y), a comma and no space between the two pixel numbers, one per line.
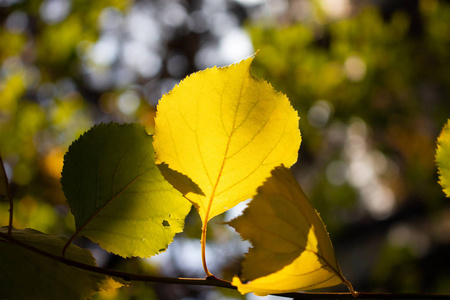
(221,137)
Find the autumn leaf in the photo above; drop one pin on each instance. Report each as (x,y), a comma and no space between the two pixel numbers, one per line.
(225,130)
(117,194)
(25,274)
(443,158)
(291,247)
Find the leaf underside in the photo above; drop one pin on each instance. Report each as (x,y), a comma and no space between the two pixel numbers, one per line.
(117,194)
(443,158)
(225,130)
(291,247)
(27,275)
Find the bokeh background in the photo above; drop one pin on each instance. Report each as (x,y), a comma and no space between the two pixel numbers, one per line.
(370,80)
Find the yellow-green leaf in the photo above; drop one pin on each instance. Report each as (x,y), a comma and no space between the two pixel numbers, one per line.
(225,130)
(291,247)
(117,194)
(25,274)
(443,158)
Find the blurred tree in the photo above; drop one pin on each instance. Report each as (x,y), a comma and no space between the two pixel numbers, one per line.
(372,90)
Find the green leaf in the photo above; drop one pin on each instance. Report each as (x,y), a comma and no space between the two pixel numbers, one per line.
(117,194)
(291,247)
(25,274)
(443,158)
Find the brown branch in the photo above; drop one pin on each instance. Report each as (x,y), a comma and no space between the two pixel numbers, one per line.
(11,203)
(210,281)
(362,295)
(216,282)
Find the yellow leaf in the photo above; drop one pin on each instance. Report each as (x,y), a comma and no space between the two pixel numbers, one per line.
(291,247)
(225,130)
(443,158)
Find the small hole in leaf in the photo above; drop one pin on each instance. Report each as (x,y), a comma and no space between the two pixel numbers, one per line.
(165,223)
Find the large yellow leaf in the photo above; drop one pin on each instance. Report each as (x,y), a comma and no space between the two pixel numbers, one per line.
(226,131)
(291,247)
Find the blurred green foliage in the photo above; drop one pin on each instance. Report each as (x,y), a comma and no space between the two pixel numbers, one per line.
(379,71)
(372,90)
(41,108)
(373,94)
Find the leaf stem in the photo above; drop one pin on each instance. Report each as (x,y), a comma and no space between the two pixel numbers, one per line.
(203,242)
(350,287)
(69,242)
(213,281)
(211,199)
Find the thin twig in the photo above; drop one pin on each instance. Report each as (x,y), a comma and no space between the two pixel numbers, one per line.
(362,295)
(216,282)
(213,281)
(11,203)
(203,242)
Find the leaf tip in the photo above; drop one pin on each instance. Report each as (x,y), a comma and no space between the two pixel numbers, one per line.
(242,288)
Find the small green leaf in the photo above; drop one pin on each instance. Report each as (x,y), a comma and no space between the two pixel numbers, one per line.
(25,274)
(117,194)
(443,158)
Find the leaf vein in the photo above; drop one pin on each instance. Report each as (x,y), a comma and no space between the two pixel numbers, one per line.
(250,140)
(118,166)
(213,194)
(258,167)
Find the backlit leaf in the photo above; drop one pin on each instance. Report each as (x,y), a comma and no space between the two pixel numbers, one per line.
(225,130)
(443,158)
(118,196)
(25,274)
(291,247)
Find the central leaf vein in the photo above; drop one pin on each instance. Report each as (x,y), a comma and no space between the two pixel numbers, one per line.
(249,173)
(226,150)
(118,166)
